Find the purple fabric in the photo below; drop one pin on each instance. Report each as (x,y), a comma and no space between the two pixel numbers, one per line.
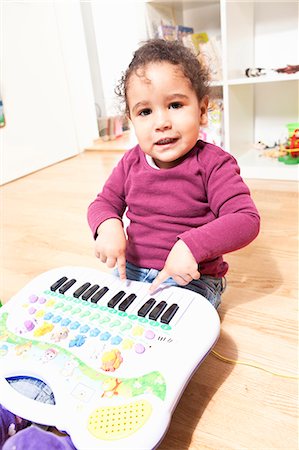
(9,424)
(34,438)
(202,201)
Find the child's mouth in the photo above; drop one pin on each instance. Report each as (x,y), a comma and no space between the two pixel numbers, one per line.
(166,141)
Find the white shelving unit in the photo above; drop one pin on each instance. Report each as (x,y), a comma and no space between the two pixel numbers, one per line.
(253,34)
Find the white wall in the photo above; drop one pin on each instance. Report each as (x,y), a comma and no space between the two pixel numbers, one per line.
(277,25)
(93,57)
(45,86)
(119,27)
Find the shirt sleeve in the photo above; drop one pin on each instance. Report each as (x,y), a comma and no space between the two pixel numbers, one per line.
(237,221)
(110,203)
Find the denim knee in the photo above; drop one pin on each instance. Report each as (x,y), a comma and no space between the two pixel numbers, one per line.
(209,287)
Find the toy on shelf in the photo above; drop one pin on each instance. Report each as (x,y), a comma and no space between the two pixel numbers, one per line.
(285,150)
(292,146)
(260,71)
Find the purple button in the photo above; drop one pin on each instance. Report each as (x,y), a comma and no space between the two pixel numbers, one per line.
(139,348)
(42,300)
(32,310)
(149,334)
(29,325)
(33,298)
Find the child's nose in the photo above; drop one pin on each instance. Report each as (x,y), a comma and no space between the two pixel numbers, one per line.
(163,121)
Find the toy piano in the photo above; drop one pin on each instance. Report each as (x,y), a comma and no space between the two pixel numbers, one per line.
(116,358)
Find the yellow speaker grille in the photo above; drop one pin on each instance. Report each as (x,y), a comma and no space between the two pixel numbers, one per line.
(117,422)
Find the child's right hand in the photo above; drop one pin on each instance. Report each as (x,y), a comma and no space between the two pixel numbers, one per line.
(111,244)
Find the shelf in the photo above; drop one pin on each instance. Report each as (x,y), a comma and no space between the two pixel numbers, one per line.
(263,79)
(274,78)
(122,143)
(254,165)
(252,34)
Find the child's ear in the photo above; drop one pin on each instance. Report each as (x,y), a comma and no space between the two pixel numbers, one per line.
(203,111)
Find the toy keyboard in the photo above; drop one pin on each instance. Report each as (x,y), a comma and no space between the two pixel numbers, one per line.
(116,358)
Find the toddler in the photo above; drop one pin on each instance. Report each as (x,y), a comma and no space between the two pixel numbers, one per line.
(186,202)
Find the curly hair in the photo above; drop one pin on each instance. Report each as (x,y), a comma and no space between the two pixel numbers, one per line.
(173,52)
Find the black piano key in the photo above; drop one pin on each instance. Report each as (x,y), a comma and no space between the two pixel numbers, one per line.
(66,286)
(90,291)
(58,283)
(142,312)
(96,297)
(157,310)
(116,299)
(169,313)
(127,302)
(81,289)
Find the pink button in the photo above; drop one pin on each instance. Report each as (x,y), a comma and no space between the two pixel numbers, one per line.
(29,325)
(33,298)
(32,310)
(139,348)
(149,334)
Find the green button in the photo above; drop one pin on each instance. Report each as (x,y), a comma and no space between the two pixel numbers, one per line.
(95,317)
(132,317)
(153,323)
(143,320)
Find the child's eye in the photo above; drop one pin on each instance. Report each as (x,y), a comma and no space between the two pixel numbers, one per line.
(175,105)
(145,112)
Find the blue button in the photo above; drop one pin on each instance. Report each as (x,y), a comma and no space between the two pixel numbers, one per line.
(80,340)
(57,319)
(65,322)
(74,325)
(94,332)
(105,336)
(116,340)
(48,316)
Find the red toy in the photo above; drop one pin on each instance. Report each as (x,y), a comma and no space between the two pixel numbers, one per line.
(294,139)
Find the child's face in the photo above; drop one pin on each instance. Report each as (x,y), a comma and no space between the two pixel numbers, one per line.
(165,112)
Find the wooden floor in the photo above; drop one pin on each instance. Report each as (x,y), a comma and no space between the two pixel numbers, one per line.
(225,406)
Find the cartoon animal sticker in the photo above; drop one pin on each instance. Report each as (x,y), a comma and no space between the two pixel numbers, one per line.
(111,360)
(62,333)
(49,354)
(23,348)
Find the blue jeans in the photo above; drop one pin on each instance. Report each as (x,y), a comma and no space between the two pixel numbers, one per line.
(209,287)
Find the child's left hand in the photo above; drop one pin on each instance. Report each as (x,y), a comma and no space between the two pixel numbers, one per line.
(180,265)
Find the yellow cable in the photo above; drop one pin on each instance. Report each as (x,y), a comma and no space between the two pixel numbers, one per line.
(256,366)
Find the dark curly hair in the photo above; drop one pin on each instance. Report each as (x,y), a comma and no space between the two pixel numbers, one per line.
(173,52)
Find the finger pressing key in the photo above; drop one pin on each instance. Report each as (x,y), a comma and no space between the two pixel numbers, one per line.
(161,277)
(121,265)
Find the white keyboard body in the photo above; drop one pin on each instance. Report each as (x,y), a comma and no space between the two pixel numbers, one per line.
(116,375)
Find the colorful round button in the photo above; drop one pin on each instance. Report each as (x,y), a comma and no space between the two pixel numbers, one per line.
(139,348)
(149,334)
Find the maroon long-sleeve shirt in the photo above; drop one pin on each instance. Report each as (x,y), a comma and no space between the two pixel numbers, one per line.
(202,201)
